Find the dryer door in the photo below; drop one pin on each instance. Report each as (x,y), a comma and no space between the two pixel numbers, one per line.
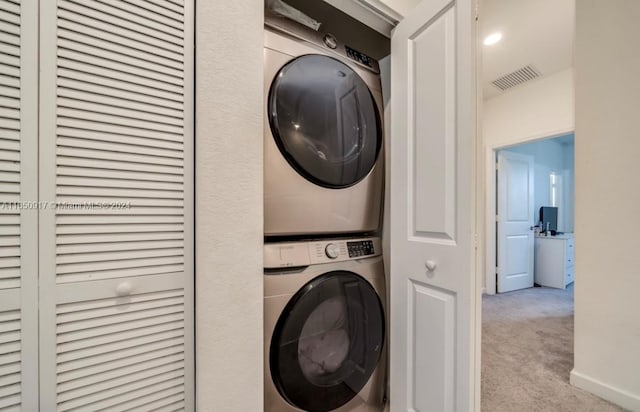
(327,342)
(325,121)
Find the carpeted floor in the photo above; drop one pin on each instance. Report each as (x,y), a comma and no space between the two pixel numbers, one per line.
(527,354)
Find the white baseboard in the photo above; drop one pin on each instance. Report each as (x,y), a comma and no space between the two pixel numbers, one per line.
(618,396)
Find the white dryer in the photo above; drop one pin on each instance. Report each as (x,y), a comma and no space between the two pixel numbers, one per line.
(323,168)
(324,318)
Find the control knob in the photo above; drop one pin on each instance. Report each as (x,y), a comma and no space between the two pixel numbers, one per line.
(330,41)
(332,250)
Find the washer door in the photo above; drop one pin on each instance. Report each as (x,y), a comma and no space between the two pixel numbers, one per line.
(327,342)
(325,121)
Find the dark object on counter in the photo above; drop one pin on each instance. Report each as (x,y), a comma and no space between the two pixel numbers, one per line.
(549,215)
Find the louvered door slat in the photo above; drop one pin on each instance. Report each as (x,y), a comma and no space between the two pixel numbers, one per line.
(163,14)
(95,53)
(175,402)
(10,358)
(116,29)
(100,83)
(106,127)
(120,42)
(120,183)
(118,45)
(9,93)
(70,371)
(177,6)
(90,163)
(145,21)
(120,100)
(116,174)
(116,238)
(112,349)
(13,40)
(104,401)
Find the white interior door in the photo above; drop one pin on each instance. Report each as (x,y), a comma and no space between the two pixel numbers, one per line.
(432,255)
(515,219)
(116,254)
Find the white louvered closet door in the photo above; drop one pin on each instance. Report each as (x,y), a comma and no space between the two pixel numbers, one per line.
(116,255)
(18,206)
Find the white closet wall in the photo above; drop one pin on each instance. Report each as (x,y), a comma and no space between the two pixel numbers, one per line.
(110,267)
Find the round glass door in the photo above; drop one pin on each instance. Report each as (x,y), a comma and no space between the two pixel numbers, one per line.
(327,342)
(325,121)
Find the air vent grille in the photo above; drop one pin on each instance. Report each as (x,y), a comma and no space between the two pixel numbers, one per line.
(516,78)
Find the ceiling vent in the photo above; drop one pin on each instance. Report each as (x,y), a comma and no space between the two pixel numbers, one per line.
(516,78)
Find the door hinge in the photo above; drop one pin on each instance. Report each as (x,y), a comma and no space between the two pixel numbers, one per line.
(497,166)
(475,241)
(497,218)
(477,9)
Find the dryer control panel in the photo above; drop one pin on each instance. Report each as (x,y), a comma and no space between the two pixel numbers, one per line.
(305,253)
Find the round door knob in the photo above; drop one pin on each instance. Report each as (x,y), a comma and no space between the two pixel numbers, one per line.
(123,289)
(332,251)
(430,265)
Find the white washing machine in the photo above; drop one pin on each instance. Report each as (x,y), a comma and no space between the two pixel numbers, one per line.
(324,318)
(323,167)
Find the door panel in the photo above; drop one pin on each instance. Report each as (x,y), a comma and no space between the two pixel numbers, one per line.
(116,254)
(18,206)
(515,219)
(431,365)
(432,256)
(433,107)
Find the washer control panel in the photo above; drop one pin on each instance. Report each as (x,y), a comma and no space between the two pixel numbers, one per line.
(305,253)
(360,248)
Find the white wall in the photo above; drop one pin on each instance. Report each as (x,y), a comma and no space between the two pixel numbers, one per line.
(542,108)
(607,316)
(229,230)
(551,155)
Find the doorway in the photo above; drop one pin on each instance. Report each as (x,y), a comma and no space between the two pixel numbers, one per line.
(527,326)
(533,201)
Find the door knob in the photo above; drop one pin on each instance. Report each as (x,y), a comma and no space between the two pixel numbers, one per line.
(123,289)
(431,265)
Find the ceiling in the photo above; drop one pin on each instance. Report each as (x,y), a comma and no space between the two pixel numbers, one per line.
(535,32)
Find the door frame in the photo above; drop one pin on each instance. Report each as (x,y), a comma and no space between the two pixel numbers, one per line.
(490,156)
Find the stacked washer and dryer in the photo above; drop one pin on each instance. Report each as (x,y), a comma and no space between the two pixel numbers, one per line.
(324,286)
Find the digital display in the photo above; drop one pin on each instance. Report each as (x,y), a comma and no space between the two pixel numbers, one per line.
(360,248)
(359,57)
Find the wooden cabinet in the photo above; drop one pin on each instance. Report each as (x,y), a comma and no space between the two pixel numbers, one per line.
(554,261)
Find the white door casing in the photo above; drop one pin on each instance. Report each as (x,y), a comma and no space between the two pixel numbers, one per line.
(515,219)
(433,286)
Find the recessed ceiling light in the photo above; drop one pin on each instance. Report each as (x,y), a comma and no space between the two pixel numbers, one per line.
(492,39)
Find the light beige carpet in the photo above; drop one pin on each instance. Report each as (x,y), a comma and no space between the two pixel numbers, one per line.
(527,354)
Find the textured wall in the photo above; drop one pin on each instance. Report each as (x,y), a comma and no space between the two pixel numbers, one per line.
(607,218)
(229,205)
